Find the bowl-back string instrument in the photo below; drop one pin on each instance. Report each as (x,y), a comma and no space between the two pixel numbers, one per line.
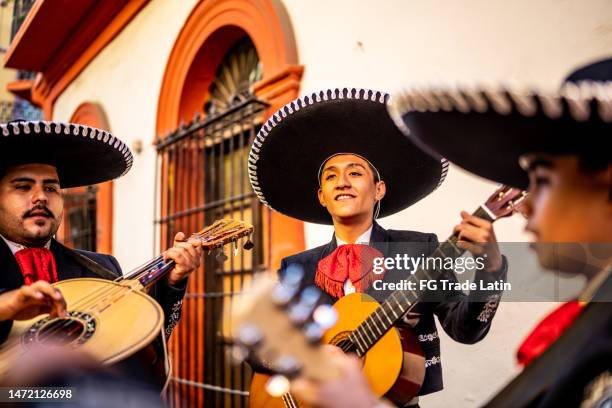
(92,305)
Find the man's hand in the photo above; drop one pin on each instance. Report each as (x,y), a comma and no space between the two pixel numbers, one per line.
(30,301)
(477,236)
(351,389)
(186,254)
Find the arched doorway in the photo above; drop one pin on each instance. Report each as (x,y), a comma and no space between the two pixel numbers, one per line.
(233,64)
(88,211)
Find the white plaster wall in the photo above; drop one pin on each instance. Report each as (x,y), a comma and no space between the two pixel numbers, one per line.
(387,44)
(383,44)
(125,79)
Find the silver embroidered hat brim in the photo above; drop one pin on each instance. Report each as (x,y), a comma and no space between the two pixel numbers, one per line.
(83,155)
(486,130)
(290,147)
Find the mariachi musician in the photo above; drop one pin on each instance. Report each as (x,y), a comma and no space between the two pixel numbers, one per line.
(557,143)
(37,160)
(335,157)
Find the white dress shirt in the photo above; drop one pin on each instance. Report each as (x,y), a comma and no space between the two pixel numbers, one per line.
(14,247)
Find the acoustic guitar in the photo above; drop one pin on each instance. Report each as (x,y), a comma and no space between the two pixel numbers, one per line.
(110,320)
(392,361)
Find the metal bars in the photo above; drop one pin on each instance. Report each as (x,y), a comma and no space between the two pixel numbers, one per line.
(202,176)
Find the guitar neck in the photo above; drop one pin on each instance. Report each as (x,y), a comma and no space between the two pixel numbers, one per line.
(400,302)
(152,271)
(220,233)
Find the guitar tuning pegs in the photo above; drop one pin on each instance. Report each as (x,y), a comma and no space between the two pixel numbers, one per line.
(313,332)
(325,316)
(238,353)
(283,294)
(301,311)
(293,275)
(277,385)
(289,285)
(221,257)
(235,248)
(248,245)
(287,366)
(249,335)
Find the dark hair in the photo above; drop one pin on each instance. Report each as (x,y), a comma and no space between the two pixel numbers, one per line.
(374,172)
(594,163)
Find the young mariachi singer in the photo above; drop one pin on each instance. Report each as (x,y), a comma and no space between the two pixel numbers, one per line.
(37,160)
(557,143)
(335,157)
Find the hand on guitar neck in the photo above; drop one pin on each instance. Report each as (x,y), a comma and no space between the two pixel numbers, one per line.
(477,236)
(186,254)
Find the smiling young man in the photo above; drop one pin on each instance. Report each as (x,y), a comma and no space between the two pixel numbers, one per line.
(558,145)
(335,157)
(37,160)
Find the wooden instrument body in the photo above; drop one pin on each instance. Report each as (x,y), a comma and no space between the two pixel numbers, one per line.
(126,326)
(394,366)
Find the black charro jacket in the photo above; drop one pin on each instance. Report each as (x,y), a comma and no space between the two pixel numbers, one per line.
(465,318)
(170,298)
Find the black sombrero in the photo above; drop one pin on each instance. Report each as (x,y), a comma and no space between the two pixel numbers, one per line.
(487,130)
(291,146)
(82,155)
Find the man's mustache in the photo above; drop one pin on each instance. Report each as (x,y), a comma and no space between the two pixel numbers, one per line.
(43,209)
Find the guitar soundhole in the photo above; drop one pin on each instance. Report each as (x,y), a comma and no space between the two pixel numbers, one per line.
(73,330)
(347,346)
(343,342)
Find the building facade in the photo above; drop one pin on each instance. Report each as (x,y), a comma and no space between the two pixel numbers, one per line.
(187,84)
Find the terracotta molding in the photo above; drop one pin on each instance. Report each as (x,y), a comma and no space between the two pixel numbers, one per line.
(264,21)
(22,29)
(21,88)
(77,53)
(92,114)
(210,30)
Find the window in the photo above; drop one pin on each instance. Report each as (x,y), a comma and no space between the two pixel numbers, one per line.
(203,176)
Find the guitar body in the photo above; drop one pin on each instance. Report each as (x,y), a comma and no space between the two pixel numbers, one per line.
(394,366)
(130,321)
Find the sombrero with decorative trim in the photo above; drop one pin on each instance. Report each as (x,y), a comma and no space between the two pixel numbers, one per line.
(83,155)
(487,130)
(289,149)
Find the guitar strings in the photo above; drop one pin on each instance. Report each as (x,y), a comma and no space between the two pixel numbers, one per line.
(222,225)
(108,292)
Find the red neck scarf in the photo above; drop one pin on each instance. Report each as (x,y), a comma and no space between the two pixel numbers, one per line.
(352,261)
(36,264)
(548,331)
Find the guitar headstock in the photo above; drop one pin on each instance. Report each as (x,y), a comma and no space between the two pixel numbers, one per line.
(223,232)
(281,325)
(504,201)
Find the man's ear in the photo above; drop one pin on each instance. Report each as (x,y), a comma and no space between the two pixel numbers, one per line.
(320,196)
(381,190)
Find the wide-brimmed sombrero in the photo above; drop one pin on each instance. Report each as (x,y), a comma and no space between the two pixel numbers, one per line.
(486,130)
(82,155)
(291,146)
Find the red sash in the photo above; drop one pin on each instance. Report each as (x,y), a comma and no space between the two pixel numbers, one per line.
(36,264)
(351,261)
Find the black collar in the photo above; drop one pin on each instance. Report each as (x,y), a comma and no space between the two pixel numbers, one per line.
(379,239)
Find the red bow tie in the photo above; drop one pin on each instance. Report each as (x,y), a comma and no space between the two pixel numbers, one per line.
(548,331)
(36,264)
(352,261)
